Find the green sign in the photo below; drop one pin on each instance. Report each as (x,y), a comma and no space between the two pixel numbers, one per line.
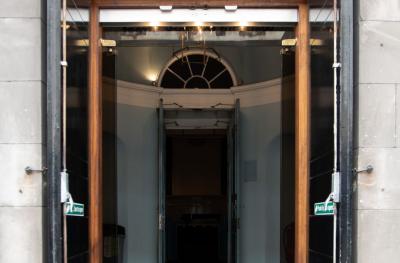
(324,209)
(75,209)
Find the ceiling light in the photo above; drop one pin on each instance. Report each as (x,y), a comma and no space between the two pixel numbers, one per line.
(151,75)
(199,23)
(166,8)
(231,8)
(155,24)
(243,25)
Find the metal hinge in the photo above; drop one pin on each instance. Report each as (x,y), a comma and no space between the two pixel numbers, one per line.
(238,223)
(336,187)
(29,170)
(234,200)
(336,65)
(65,195)
(161,222)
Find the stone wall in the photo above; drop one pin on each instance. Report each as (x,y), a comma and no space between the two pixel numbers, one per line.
(377,208)
(21,143)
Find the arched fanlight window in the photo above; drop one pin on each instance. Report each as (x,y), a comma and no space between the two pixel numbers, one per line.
(197,69)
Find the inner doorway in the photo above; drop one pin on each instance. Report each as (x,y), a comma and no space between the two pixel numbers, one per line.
(198,177)
(196,201)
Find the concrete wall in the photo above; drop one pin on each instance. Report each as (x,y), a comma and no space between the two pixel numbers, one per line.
(378,131)
(21,86)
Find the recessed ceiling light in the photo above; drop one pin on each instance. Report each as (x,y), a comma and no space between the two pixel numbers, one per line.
(165,8)
(231,8)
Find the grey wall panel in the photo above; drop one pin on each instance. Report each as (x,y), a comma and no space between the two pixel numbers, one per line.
(260,149)
(137,181)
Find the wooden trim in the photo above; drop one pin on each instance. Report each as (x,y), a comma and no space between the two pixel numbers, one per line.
(95,140)
(193,3)
(302,136)
(302,114)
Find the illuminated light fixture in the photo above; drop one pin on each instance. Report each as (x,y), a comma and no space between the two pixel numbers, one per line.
(151,76)
(81,43)
(199,24)
(166,8)
(231,8)
(243,25)
(155,24)
(291,42)
(317,42)
(108,42)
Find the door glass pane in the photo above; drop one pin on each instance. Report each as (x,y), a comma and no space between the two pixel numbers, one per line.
(77,154)
(321,165)
(230,63)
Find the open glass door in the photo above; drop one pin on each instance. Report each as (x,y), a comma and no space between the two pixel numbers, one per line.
(161,184)
(287,186)
(233,186)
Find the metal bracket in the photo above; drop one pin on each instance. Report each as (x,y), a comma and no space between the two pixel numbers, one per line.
(173,104)
(221,104)
(336,65)
(330,198)
(367,169)
(29,170)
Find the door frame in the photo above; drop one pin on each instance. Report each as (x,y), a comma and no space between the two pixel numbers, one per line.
(302,116)
(161,246)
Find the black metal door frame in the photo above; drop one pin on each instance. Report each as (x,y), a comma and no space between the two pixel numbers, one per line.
(345,209)
(52,217)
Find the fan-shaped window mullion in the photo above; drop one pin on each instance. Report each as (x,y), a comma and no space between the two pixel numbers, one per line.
(190,66)
(218,75)
(205,66)
(176,75)
(197,69)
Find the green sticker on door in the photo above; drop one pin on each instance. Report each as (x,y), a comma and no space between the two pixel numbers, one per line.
(324,209)
(75,209)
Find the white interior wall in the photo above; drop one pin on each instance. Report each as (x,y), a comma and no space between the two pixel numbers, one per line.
(260,147)
(137,181)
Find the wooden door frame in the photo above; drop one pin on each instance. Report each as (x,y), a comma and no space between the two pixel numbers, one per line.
(95,140)
(302,135)
(302,117)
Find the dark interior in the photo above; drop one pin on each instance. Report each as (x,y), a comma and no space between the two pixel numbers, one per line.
(196,203)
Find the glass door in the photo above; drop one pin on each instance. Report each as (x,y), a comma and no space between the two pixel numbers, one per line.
(233,185)
(161,184)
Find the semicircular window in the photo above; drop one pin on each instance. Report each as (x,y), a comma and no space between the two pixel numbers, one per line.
(197,69)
